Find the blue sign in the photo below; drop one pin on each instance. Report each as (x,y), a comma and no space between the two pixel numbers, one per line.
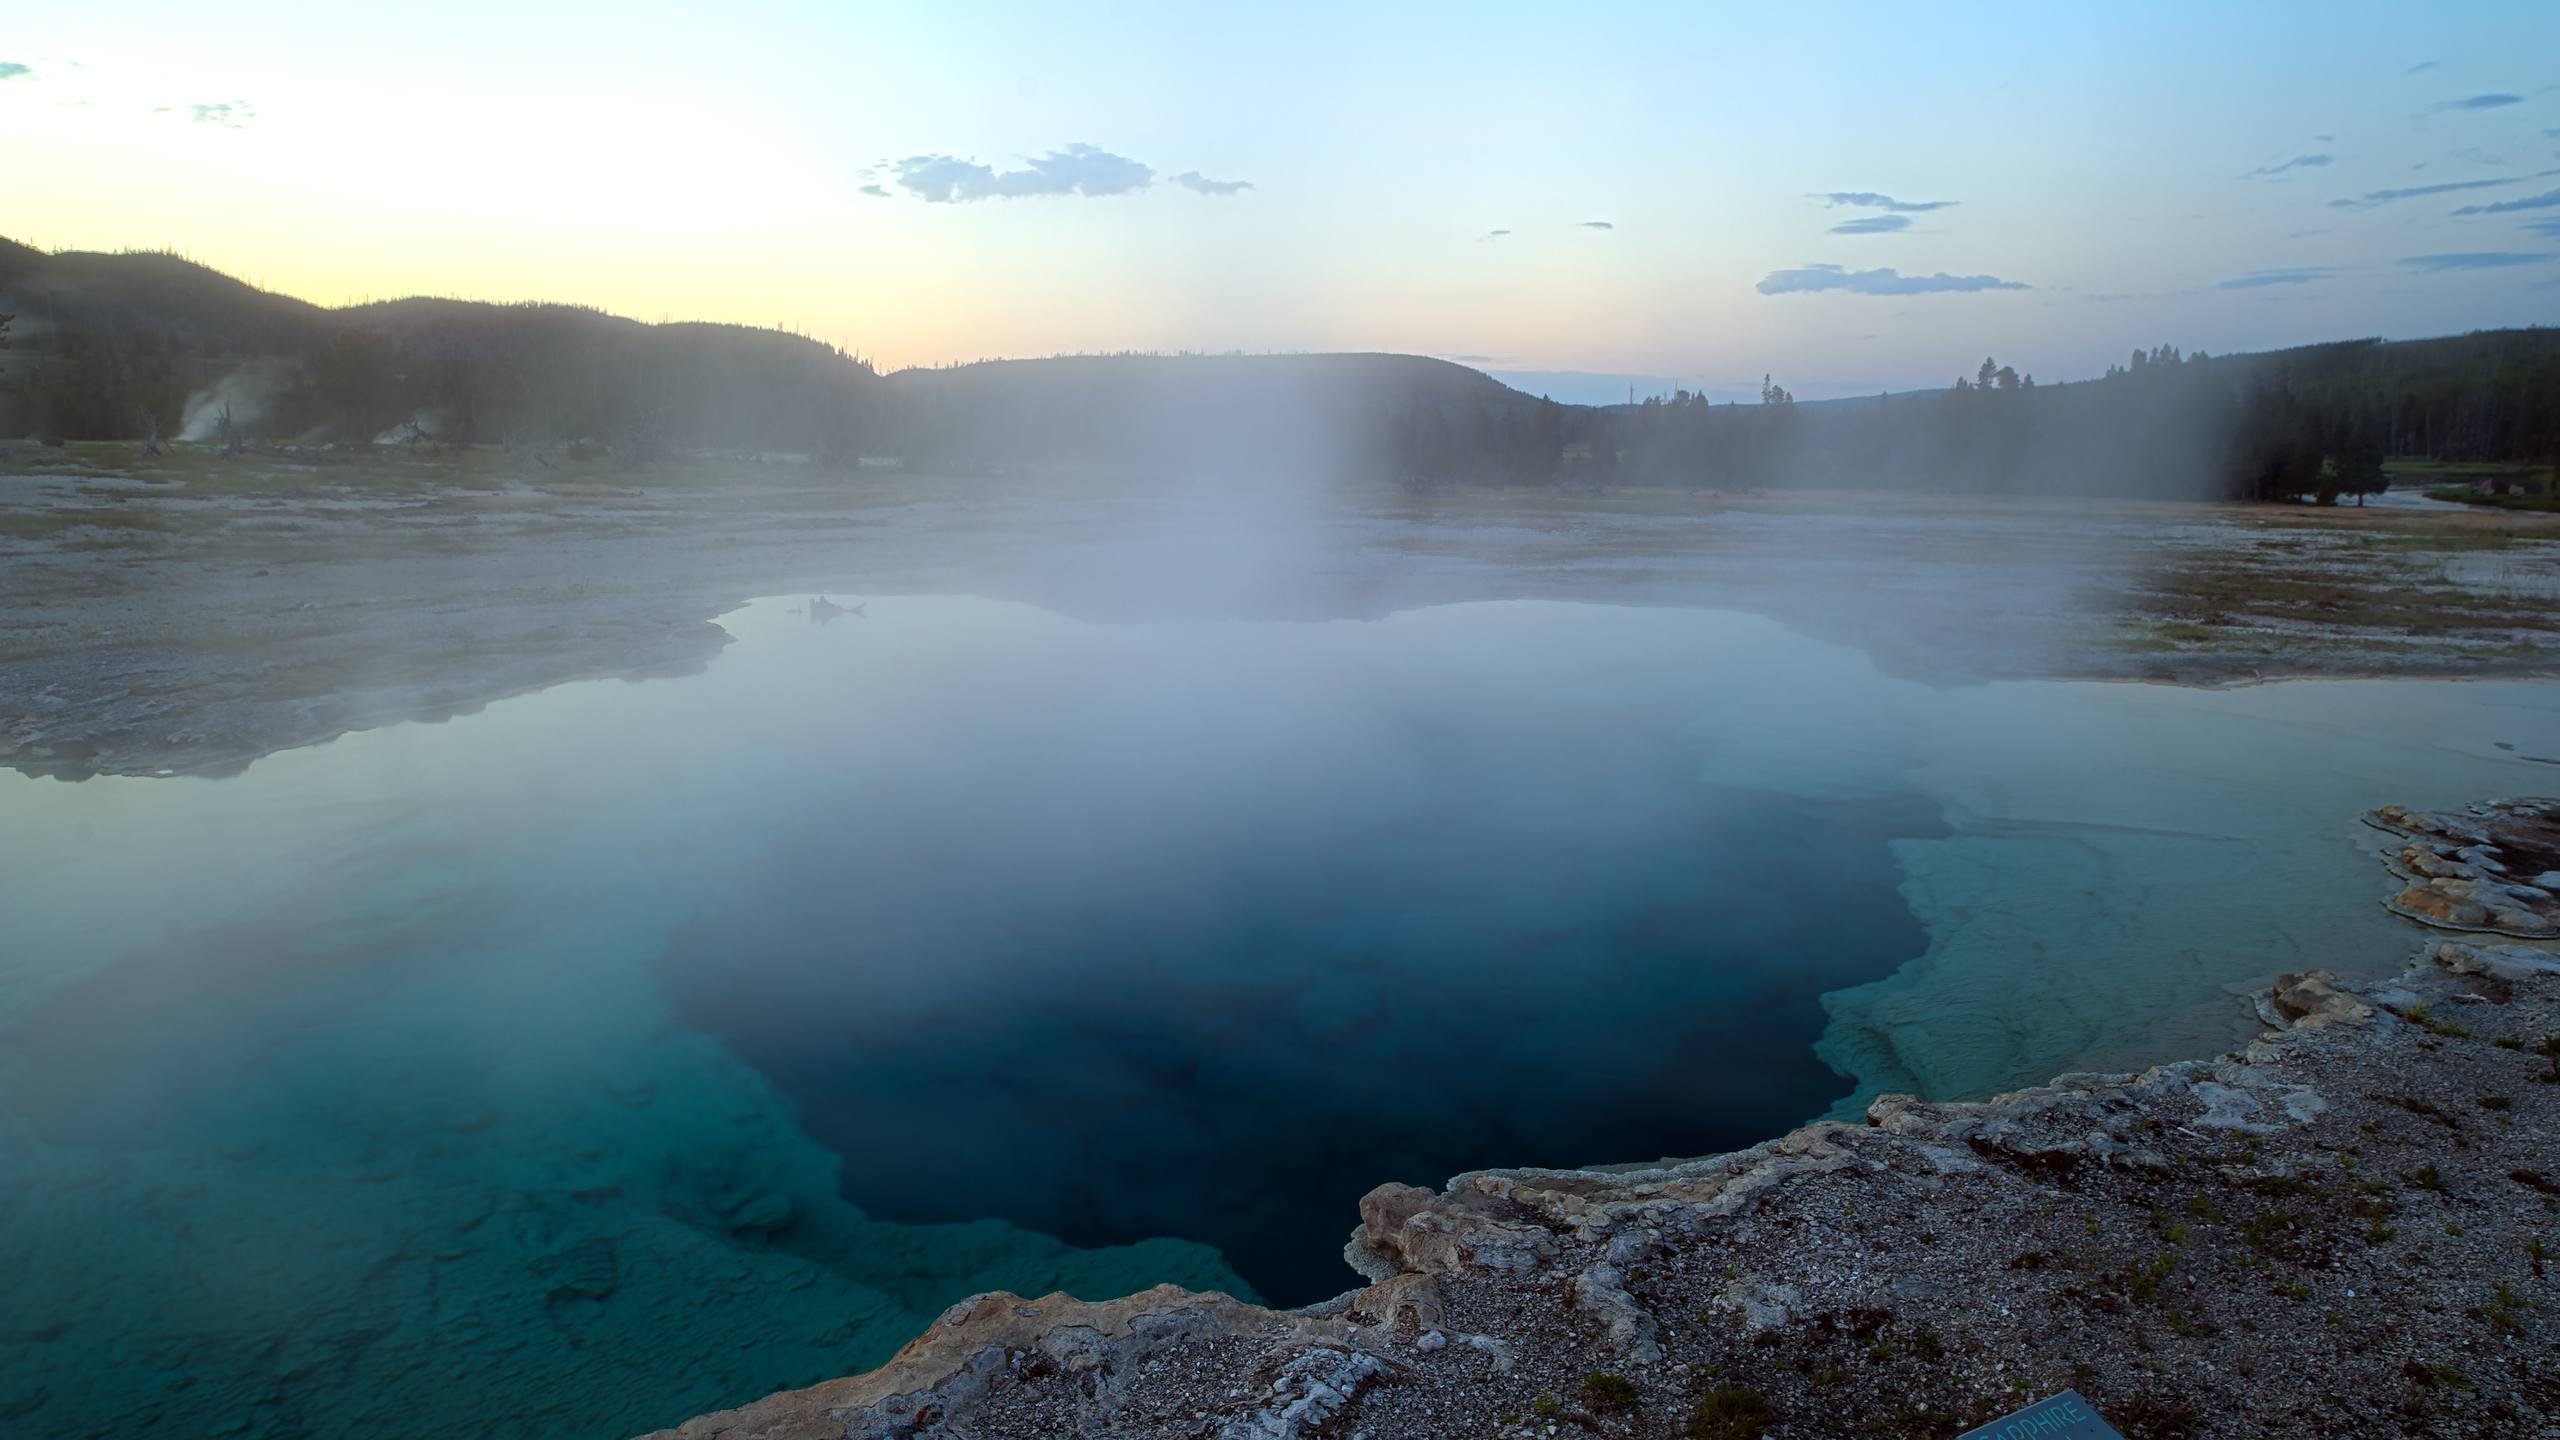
(2064,1417)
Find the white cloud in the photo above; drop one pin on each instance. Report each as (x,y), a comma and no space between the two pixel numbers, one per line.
(1888,281)
(1077,170)
(1870,200)
(1198,183)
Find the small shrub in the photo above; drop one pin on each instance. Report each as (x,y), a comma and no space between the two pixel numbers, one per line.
(2142,1281)
(1730,1412)
(1608,1394)
(2502,1312)
(2447,1376)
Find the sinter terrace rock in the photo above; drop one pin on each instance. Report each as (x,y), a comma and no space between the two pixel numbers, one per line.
(2493,867)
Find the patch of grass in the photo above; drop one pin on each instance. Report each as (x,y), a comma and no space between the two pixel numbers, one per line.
(2429,1110)
(2505,1310)
(2438,542)
(2185,1328)
(2511,501)
(2273,1234)
(2419,1016)
(2436,1372)
(2391,602)
(1729,1412)
(52,523)
(2142,1279)
(1607,1393)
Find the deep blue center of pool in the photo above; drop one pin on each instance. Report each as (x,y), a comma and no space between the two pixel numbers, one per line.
(1109,1015)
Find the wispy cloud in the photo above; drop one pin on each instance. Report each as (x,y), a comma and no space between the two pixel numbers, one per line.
(1598,225)
(229,114)
(1870,200)
(2298,162)
(1495,234)
(2420,68)
(2478,260)
(2548,227)
(2543,201)
(876,192)
(1199,184)
(2494,101)
(2371,198)
(1077,170)
(1810,278)
(1872,225)
(2298,275)
(12,70)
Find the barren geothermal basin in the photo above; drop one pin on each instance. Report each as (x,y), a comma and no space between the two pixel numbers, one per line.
(622,1052)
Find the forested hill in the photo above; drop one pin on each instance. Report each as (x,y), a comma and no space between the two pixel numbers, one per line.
(1366,414)
(114,346)
(130,345)
(2315,420)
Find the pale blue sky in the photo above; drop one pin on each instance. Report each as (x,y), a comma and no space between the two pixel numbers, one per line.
(2112,170)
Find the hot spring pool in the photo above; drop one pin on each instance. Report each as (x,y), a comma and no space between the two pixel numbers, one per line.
(625,1051)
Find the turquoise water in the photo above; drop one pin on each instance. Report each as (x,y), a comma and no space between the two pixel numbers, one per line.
(624,1051)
